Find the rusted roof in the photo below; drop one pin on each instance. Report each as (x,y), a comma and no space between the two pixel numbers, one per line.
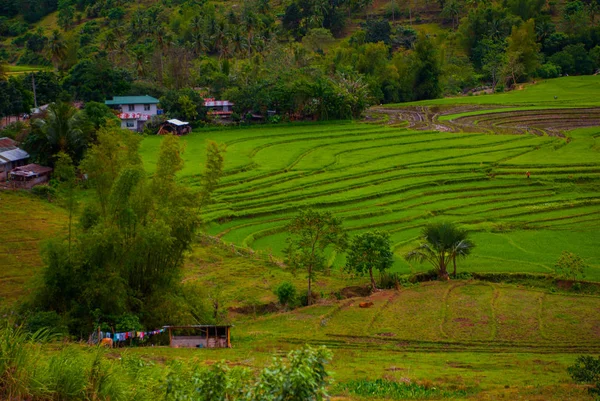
(7,144)
(30,170)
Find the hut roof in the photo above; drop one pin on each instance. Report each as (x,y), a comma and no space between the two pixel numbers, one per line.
(119,100)
(13,155)
(30,170)
(177,122)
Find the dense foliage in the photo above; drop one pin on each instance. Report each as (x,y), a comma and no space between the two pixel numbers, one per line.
(126,257)
(295,59)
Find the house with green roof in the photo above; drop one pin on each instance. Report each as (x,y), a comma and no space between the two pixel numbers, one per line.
(134,111)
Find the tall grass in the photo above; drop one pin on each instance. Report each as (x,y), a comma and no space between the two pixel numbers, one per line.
(397,390)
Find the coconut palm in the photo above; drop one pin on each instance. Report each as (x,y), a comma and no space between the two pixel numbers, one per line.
(57,48)
(64,129)
(444,243)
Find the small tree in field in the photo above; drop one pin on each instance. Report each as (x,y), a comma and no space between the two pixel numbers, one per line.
(286,293)
(368,251)
(311,233)
(444,243)
(212,171)
(570,266)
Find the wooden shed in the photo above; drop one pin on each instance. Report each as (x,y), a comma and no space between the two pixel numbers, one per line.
(175,127)
(199,336)
(30,175)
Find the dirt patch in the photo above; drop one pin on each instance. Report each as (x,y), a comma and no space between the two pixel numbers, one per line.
(259,309)
(464,321)
(355,291)
(387,334)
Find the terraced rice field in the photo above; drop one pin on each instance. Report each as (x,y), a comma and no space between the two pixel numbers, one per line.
(398,179)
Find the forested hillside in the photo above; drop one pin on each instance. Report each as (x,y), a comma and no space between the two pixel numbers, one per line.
(323,59)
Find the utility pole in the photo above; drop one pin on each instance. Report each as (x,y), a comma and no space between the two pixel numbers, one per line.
(34,93)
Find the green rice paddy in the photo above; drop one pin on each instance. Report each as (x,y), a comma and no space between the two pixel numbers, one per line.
(398,179)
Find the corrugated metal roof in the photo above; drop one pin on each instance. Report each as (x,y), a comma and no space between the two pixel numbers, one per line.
(7,143)
(119,100)
(177,122)
(14,155)
(30,170)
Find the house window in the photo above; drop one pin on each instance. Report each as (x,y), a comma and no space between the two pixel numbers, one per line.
(130,124)
(146,107)
(132,107)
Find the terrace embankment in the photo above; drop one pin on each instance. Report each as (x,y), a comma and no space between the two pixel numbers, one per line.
(491,119)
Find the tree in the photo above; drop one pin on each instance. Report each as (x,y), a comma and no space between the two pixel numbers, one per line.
(522,48)
(99,114)
(444,242)
(127,260)
(188,108)
(286,293)
(587,370)
(64,173)
(494,62)
(570,266)
(64,129)
(213,171)
(427,79)
(66,12)
(114,149)
(311,233)
(318,40)
(368,251)
(96,80)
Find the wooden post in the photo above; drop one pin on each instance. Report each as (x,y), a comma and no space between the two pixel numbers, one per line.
(228,337)
(170,338)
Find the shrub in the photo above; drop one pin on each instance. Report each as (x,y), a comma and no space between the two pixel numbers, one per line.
(586,370)
(548,70)
(44,192)
(570,266)
(45,320)
(286,293)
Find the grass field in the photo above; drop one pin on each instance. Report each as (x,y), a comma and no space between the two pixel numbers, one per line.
(25,223)
(569,91)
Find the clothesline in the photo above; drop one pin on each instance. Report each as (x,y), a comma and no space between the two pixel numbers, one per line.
(129,334)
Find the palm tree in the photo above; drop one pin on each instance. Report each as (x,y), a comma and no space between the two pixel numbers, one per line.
(444,243)
(64,129)
(57,48)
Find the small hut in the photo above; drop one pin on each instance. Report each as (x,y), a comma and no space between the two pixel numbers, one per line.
(175,127)
(199,336)
(29,176)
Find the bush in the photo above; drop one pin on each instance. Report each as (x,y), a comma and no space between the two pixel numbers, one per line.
(548,70)
(586,370)
(50,321)
(286,293)
(44,191)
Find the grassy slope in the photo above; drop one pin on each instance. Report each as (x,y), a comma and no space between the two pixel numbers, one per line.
(25,222)
(570,91)
(466,335)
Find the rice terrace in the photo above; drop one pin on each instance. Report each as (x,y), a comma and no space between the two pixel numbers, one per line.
(520,171)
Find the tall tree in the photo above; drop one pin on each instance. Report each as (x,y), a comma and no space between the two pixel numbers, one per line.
(368,251)
(427,79)
(64,173)
(311,233)
(213,171)
(523,48)
(64,129)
